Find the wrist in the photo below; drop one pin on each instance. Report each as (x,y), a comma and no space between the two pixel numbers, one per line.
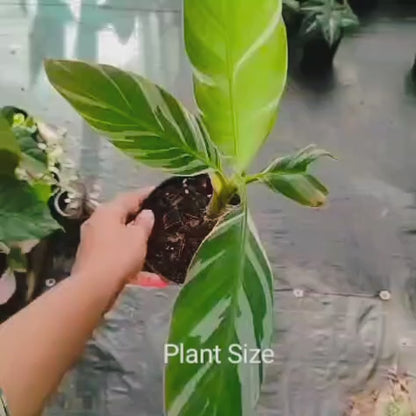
(99,288)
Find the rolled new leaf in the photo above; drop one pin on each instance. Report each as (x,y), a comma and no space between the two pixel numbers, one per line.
(228,303)
(139,117)
(288,175)
(239,59)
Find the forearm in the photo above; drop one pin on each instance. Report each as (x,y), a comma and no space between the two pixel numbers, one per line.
(40,343)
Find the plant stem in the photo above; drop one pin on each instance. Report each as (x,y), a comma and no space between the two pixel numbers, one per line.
(252,178)
(224,189)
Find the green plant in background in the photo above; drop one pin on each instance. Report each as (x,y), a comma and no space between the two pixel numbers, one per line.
(327,17)
(322,18)
(238,53)
(33,175)
(25,181)
(25,187)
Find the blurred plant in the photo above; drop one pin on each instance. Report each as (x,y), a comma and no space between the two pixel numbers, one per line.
(25,180)
(33,174)
(322,18)
(393,398)
(239,78)
(327,18)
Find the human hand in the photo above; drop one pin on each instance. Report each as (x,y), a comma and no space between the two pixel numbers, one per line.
(113,247)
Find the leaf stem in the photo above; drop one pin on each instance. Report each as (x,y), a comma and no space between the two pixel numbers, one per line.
(252,178)
(224,189)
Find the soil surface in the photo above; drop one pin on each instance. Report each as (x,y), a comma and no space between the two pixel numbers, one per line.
(179,205)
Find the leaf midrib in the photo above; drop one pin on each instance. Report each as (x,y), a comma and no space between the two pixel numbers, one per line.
(234,299)
(230,79)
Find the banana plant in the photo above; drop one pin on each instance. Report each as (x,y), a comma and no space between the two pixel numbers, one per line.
(238,52)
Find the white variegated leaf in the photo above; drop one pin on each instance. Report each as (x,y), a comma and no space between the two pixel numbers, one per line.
(326,18)
(288,175)
(141,118)
(227,301)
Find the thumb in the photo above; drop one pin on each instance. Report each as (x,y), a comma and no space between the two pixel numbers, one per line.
(145,220)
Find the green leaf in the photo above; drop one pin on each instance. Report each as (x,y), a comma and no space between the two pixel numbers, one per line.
(328,18)
(10,113)
(228,301)
(34,160)
(288,175)
(23,216)
(239,58)
(43,190)
(9,149)
(142,119)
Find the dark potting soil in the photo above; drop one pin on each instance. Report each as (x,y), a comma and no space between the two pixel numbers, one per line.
(181,224)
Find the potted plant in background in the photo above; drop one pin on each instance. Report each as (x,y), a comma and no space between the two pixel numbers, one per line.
(321,28)
(292,16)
(363,7)
(37,197)
(204,234)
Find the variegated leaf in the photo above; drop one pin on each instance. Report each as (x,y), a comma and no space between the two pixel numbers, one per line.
(238,51)
(141,118)
(326,17)
(228,301)
(288,175)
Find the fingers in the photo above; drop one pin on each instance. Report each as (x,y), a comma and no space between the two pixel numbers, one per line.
(145,221)
(127,204)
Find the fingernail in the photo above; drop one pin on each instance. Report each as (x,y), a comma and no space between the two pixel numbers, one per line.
(147,217)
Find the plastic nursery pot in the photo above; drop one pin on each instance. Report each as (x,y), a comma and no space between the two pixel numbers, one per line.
(70,211)
(24,289)
(293,21)
(361,7)
(318,55)
(17,301)
(181,224)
